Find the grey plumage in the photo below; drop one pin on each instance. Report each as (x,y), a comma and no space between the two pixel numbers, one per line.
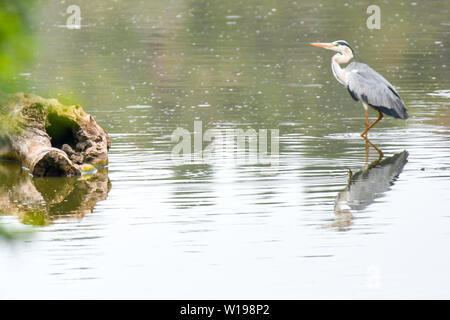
(368,86)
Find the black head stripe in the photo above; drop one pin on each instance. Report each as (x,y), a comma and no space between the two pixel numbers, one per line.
(344,43)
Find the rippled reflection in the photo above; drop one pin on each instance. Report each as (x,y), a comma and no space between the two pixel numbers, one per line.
(366,185)
(38,201)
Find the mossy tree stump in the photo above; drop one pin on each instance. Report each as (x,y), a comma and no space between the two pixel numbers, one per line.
(49,138)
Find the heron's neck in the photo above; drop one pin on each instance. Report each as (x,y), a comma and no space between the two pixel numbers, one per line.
(338,72)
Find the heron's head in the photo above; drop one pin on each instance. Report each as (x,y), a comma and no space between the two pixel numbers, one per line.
(340,46)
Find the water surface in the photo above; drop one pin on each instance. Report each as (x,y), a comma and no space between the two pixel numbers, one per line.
(150,228)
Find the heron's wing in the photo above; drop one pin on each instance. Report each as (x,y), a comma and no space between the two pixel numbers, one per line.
(367,85)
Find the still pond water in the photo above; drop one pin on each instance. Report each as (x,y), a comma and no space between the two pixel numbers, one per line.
(150,228)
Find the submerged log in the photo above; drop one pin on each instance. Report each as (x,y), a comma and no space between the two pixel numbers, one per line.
(49,138)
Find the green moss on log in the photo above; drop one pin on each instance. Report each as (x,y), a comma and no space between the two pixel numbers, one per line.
(70,138)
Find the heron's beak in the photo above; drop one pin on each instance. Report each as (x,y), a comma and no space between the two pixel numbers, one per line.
(323,45)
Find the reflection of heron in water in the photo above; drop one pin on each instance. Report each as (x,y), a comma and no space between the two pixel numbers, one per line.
(367,184)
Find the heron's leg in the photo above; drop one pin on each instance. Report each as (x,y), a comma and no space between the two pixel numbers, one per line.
(364,133)
(366,108)
(367,116)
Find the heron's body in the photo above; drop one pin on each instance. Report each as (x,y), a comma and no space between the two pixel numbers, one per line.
(365,84)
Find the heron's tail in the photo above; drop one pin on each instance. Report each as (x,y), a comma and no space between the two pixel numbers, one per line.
(397,109)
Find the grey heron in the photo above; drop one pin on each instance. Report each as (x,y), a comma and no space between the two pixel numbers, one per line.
(365,84)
